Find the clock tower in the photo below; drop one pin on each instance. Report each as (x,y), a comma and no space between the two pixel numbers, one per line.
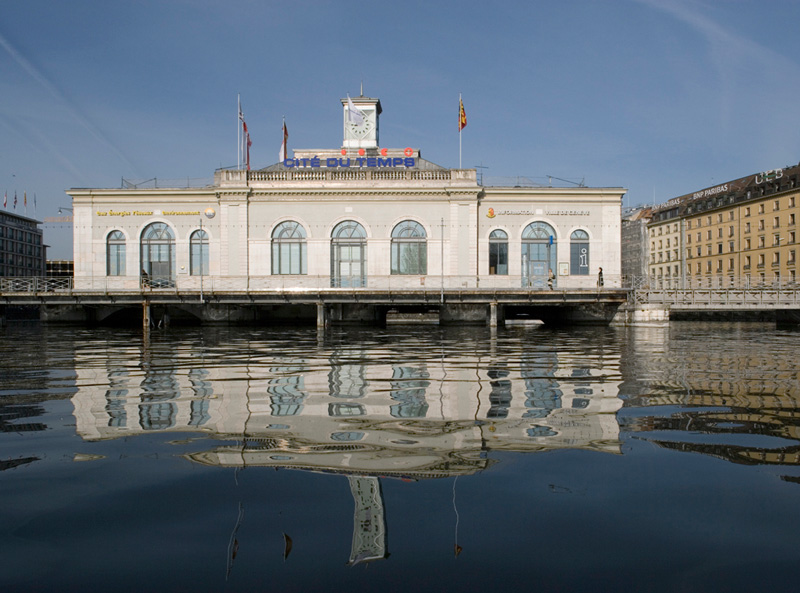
(361,122)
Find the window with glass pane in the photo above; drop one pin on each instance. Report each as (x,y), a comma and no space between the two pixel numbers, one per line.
(348,255)
(289,248)
(409,249)
(115,252)
(198,247)
(158,254)
(579,253)
(498,253)
(538,254)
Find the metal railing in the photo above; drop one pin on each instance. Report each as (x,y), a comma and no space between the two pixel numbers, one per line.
(715,292)
(33,284)
(291,283)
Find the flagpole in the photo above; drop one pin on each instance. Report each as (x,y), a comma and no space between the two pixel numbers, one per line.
(238,133)
(459,130)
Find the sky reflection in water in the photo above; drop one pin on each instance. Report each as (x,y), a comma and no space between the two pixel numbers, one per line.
(654,459)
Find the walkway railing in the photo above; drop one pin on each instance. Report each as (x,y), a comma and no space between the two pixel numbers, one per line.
(715,292)
(230,284)
(33,284)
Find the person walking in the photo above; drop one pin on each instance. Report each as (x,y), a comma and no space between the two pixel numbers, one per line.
(550,278)
(600,278)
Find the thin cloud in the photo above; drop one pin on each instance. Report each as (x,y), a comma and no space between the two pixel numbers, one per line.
(59,96)
(41,142)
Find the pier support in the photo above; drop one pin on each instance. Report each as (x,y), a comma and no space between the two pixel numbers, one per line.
(321,315)
(145,316)
(492,314)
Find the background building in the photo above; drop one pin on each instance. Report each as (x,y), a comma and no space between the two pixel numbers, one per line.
(743,232)
(635,251)
(22,252)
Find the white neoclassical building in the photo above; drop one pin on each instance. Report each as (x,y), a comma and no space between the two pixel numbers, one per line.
(355,216)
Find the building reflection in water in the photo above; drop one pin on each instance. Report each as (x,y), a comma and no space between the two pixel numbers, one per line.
(730,398)
(359,412)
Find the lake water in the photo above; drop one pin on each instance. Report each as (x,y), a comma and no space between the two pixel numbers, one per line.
(419,459)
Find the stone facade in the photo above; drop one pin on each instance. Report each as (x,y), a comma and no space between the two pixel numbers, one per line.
(347,217)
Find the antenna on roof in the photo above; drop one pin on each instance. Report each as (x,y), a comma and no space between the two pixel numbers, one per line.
(551,177)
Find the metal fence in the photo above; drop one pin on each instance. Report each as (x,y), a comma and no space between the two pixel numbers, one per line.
(715,292)
(30,284)
(280,283)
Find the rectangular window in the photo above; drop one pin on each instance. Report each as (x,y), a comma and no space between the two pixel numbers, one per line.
(498,258)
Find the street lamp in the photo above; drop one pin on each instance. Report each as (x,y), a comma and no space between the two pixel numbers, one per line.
(65,208)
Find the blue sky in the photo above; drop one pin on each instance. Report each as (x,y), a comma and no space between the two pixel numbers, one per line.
(663,97)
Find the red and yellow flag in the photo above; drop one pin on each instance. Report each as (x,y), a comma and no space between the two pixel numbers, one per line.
(462,116)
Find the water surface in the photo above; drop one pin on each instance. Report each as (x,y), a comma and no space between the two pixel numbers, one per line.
(231,459)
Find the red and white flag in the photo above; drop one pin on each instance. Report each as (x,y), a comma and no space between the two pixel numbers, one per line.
(283,151)
(248,144)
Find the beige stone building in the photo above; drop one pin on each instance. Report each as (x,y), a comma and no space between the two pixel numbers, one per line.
(740,233)
(350,217)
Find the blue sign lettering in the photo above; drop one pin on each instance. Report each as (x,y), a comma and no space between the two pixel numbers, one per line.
(332,163)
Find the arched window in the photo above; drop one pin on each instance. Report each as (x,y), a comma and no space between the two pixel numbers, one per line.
(289,248)
(579,253)
(115,254)
(538,254)
(348,255)
(198,253)
(158,254)
(498,252)
(409,248)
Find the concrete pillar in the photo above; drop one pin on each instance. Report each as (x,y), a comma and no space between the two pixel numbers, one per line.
(493,315)
(145,316)
(320,315)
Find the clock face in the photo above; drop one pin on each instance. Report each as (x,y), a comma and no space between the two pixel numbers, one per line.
(364,128)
